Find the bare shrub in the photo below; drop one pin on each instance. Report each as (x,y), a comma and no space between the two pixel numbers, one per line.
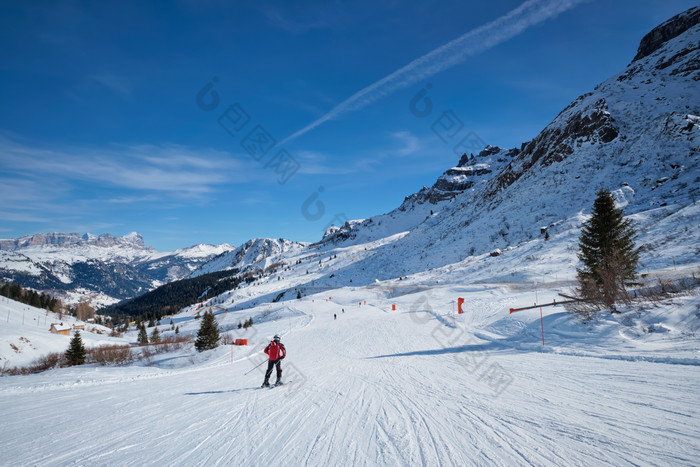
(49,361)
(147,354)
(586,311)
(110,355)
(664,289)
(169,344)
(226,339)
(177,343)
(46,362)
(274,267)
(653,291)
(250,276)
(606,287)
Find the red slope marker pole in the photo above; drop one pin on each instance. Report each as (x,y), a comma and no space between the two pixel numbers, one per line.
(542,323)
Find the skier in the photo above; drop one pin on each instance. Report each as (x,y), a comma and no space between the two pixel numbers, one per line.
(277,352)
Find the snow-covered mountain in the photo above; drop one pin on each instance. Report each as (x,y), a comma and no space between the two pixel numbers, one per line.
(254,254)
(636,134)
(103,269)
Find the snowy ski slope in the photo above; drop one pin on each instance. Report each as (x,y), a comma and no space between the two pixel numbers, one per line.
(419,385)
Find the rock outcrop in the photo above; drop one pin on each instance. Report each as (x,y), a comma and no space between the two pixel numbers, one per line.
(672,28)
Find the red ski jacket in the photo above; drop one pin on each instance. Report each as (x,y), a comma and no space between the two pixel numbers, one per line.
(275,350)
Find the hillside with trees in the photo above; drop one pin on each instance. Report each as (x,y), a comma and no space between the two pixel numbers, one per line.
(30,297)
(172,297)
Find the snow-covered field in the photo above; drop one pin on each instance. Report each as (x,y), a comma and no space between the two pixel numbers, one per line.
(418,385)
(25,336)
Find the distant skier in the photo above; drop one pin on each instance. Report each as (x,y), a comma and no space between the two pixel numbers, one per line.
(334,316)
(276,351)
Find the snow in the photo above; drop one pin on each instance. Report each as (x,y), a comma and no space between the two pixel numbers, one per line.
(202,250)
(418,385)
(25,335)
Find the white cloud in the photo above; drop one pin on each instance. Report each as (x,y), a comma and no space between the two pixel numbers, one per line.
(11,216)
(64,186)
(177,170)
(410,144)
(117,84)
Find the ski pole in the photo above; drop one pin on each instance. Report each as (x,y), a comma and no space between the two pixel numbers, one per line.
(254,368)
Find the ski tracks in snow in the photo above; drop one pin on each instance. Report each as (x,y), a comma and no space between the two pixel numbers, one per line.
(371,387)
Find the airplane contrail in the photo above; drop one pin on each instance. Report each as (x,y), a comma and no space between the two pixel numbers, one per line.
(448,55)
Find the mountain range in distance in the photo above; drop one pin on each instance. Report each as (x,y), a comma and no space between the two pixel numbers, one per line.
(100,269)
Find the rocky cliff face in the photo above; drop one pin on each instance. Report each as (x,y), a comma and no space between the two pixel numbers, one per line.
(655,100)
(663,33)
(72,240)
(470,171)
(258,253)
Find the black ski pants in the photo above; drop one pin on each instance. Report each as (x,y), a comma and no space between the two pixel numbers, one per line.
(270,365)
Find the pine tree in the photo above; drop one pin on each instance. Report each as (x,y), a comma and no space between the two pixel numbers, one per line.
(608,253)
(76,351)
(142,338)
(208,335)
(155,336)
(177,330)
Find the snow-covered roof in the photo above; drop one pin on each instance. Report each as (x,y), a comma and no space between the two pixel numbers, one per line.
(60,327)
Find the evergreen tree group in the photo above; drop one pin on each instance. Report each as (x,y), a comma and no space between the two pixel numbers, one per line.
(245,324)
(607,252)
(208,336)
(75,355)
(30,297)
(173,296)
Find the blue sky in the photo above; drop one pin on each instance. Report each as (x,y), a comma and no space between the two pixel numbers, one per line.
(102,130)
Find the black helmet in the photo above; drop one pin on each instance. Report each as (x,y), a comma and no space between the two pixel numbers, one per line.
(276,338)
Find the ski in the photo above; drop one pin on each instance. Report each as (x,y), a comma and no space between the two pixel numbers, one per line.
(270,386)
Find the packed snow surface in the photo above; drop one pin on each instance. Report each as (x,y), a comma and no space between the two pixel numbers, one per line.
(368,385)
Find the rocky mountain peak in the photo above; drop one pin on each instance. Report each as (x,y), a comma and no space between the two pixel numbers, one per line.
(68,240)
(672,28)
(134,238)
